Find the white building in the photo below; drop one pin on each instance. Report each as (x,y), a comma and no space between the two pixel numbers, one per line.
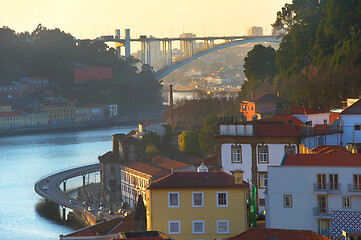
(318,192)
(252,147)
(351,124)
(148,127)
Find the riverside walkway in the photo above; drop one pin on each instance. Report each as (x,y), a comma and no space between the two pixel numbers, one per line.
(49,186)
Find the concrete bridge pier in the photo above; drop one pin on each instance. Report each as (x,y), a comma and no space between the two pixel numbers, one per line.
(170,55)
(84,180)
(145,52)
(127,43)
(64,186)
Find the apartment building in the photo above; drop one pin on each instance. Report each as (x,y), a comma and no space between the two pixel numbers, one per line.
(320,192)
(198,205)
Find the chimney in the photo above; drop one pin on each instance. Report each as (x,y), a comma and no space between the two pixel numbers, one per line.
(171,117)
(115,140)
(238,176)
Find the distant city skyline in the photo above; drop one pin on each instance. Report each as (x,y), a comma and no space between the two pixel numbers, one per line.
(90,19)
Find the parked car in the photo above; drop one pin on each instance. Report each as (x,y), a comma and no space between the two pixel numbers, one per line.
(85,204)
(72,202)
(90,209)
(45,187)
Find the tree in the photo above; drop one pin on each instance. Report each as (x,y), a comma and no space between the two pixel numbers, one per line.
(189,142)
(205,138)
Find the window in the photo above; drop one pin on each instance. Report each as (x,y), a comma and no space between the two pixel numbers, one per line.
(222,199)
(236,154)
(174,227)
(322,204)
(198,226)
(262,179)
(223,226)
(197,199)
(321,181)
(346,202)
(321,140)
(290,149)
(357,182)
(357,127)
(324,121)
(333,181)
(263,154)
(287,201)
(262,202)
(173,199)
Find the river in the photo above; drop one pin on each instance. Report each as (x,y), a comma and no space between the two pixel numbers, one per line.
(24,159)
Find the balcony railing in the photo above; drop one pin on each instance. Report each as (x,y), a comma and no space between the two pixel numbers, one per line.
(354,188)
(327,187)
(321,212)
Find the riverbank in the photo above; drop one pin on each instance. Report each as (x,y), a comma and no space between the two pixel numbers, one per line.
(77,126)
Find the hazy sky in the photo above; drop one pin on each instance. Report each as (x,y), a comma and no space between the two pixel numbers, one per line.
(168,18)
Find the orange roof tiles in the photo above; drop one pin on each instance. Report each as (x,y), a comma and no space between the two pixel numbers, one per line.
(329,149)
(281,234)
(287,120)
(273,130)
(167,163)
(301,110)
(146,168)
(197,180)
(335,159)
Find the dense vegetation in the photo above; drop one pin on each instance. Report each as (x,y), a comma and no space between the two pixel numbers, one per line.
(318,62)
(54,54)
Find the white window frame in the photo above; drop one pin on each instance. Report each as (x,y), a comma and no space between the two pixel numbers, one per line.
(173,206)
(265,154)
(203,226)
(222,221)
(265,179)
(193,205)
(219,192)
(346,202)
(236,156)
(179,227)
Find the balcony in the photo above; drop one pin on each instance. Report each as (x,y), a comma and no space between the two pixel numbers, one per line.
(320,212)
(354,189)
(327,188)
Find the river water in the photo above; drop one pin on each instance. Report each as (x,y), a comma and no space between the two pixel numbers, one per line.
(24,159)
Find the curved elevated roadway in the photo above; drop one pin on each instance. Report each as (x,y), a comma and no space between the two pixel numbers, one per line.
(53,191)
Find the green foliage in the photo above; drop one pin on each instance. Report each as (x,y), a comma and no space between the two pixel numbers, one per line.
(205,137)
(152,151)
(319,58)
(151,139)
(259,68)
(54,54)
(189,142)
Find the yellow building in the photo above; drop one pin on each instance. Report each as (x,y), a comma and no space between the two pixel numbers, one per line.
(197,205)
(59,109)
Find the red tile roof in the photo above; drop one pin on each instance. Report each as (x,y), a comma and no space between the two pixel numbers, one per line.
(267,98)
(334,158)
(208,161)
(9,114)
(146,168)
(146,123)
(109,157)
(329,149)
(197,180)
(301,110)
(353,109)
(287,120)
(167,163)
(274,130)
(281,234)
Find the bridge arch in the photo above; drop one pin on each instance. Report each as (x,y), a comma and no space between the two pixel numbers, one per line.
(161,73)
